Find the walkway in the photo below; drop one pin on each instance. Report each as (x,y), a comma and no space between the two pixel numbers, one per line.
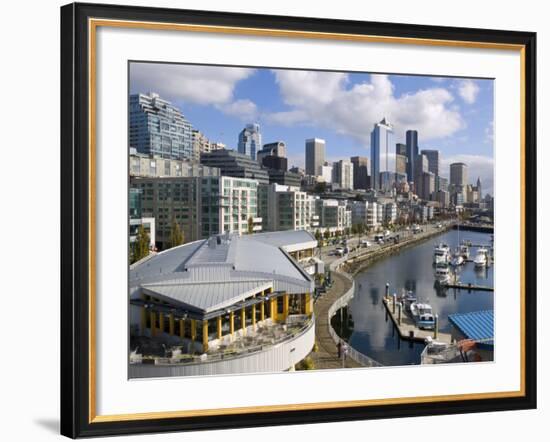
(326,355)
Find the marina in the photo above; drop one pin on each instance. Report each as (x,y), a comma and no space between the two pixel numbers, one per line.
(393,338)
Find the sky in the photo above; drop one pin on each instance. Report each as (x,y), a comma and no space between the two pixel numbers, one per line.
(453,115)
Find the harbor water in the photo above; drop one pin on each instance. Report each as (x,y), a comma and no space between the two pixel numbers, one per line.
(372,332)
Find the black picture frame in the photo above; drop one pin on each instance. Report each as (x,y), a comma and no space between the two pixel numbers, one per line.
(75,220)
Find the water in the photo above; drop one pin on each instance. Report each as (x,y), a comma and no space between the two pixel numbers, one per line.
(373,332)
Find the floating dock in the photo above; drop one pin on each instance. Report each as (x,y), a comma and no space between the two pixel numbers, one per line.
(406,327)
(468,286)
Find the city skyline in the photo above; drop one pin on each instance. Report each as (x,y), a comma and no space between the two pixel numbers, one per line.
(451,115)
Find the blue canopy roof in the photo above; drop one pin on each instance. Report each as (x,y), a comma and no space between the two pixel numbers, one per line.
(475,325)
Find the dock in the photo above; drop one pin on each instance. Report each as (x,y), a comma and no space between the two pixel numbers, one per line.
(406,327)
(469,286)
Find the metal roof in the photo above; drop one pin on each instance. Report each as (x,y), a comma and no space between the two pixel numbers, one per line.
(206,296)
(214,274)
(475,325)
(290,240)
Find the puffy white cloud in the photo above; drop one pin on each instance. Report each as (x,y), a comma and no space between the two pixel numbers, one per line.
(490,133)
(244,109)
(468,91)
(478,166)
(195,84)
(328,100)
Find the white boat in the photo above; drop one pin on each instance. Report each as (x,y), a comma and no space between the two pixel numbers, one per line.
(441,254)
(457,259)
(422,315)
(480,259)
(442,272)
(407,298)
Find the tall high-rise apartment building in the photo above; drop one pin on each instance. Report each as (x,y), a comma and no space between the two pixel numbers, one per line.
(315,156)
(382,148)
(412,152)
(159,128)
(250,140)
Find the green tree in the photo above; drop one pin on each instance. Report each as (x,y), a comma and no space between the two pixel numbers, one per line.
(318,235)
(140,247)
(326,234)
(176,235)
(250,226)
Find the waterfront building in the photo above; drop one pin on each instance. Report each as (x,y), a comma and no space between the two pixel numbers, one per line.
(380,213)
(225,310)
(359,210)
(476,327)
(159,128)
(412,152)
(216,146)
(342,174)
(360,172)
(372,216)
(401,149)
(147,165)
(434,160)
(287,208)
(333,215)
(326,172)
(315,156)
(459,174)
(390,213)
(202,206)
(250,140)
(382,151)
(235,164)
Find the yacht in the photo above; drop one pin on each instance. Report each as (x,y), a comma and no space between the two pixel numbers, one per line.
(457,259)
(442,272)
(480,259)
(407,298)
(464,251)
(441,254)
(422,315)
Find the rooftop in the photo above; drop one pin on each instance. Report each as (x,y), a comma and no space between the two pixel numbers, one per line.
(478,326)
(213,274)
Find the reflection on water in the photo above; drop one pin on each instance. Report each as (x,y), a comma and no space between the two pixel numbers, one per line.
(412,269)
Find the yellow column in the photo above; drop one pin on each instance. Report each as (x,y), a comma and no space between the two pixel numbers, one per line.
(182,328)
(153,323)
(232,323)
(254,316)
(171,319)
(219,324)
(262,311)
(285,306)
(308,306)
(193,329)
(205,336)
(243,320)
(273,307)
(161,322)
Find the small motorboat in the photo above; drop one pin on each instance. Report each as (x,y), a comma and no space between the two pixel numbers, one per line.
(480,259)
(422,315)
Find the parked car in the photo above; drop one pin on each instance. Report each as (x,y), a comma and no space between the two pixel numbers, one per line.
(339,251)
(365,243)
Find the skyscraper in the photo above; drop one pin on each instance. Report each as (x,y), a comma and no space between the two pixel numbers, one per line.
(434,160)
(459,174)
(382,152)
(159,128)
(250,140)
(315,156)
(360,172)
(401,149)
(420,167)
(412,152)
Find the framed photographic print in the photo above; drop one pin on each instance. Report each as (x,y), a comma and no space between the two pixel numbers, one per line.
(274,220)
